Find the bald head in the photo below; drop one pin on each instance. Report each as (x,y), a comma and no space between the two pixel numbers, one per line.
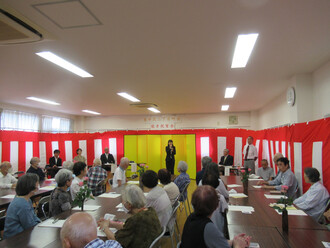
(124,163)
(277,156)
(4,167)
(78,230)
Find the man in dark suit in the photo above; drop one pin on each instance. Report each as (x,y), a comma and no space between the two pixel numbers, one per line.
(226,160)
(106,157)
(55,161)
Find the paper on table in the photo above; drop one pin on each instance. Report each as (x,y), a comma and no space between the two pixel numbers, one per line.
(88,208)
(8,196)
(51,179)
(240,208)
(232,191)
(326,244)
(133,182)
(275,196)
(50,187)
(145,194)
(294,212)
(255,179)
(238,195)
(257,186)
(109,195)
(102,234)
(49,223)
(234,185)
(120,205)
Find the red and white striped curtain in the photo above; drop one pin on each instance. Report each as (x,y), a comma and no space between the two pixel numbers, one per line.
(305,144)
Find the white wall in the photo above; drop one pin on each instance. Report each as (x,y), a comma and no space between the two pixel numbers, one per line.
(321,91)
(218,120)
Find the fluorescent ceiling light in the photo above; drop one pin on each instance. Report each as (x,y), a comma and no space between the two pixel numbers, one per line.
(224,107)
(129,97)
(243,49)
(42,100)
(154,110)
(91,112)
(64,64)
(230,92)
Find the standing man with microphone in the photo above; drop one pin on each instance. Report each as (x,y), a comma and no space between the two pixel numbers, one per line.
(170,160)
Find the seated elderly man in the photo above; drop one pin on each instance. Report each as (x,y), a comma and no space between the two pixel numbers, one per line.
(34,168)
(119,178)
(285,177)
(156,197)
(80,230)
(276,157)
(139,230)
(97,178)
(6,179)
(183,179)
(265,172)
(60,198)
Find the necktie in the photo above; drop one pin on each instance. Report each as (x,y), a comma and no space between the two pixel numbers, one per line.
(247,152)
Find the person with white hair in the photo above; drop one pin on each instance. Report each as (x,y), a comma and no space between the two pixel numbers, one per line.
(35,168)
(182,180)
(205,161)
(97,178)
(80,230)
(119,178)
(60,198)
(141,228)
(68,165)
(7,181)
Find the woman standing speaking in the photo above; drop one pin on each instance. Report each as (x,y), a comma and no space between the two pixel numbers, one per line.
(170,160)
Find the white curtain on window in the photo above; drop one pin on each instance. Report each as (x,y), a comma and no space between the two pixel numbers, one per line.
(15,120)
(55,124)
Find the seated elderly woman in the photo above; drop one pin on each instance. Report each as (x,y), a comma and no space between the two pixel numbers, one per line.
(34,168)
(6,179)
(199,230)
(212,168)
(182,180)
(60,198)
(80,170)
(68,165)
(97,178)
(156,197)
(314,201)
(141,228)
(218,216)
(20,214)
(171,189)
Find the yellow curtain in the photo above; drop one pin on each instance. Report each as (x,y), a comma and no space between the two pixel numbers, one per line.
(150,149)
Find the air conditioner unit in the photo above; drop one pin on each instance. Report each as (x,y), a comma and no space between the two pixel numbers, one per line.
(14,30)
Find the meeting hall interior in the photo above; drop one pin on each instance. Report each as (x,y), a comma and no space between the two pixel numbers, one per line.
(165,123)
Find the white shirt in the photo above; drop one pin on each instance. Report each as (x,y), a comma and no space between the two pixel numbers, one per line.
(74,188)
(253,153)
(120,174)
(314,201)
(7,181)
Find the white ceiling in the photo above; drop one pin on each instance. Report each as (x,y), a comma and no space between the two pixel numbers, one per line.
(176,54)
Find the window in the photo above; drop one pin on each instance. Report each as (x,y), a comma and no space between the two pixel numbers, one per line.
(16,120)
(55,124)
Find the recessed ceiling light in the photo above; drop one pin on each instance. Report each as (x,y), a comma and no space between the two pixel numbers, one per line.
(224,107)
(243,49)
(64,64)
(154,110)
(128,97)
(230,92)
(42,100)
(91,112)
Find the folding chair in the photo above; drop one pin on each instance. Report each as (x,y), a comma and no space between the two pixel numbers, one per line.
(183,199)
(42,209)
(155,242)
(171,225)
(321,218)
